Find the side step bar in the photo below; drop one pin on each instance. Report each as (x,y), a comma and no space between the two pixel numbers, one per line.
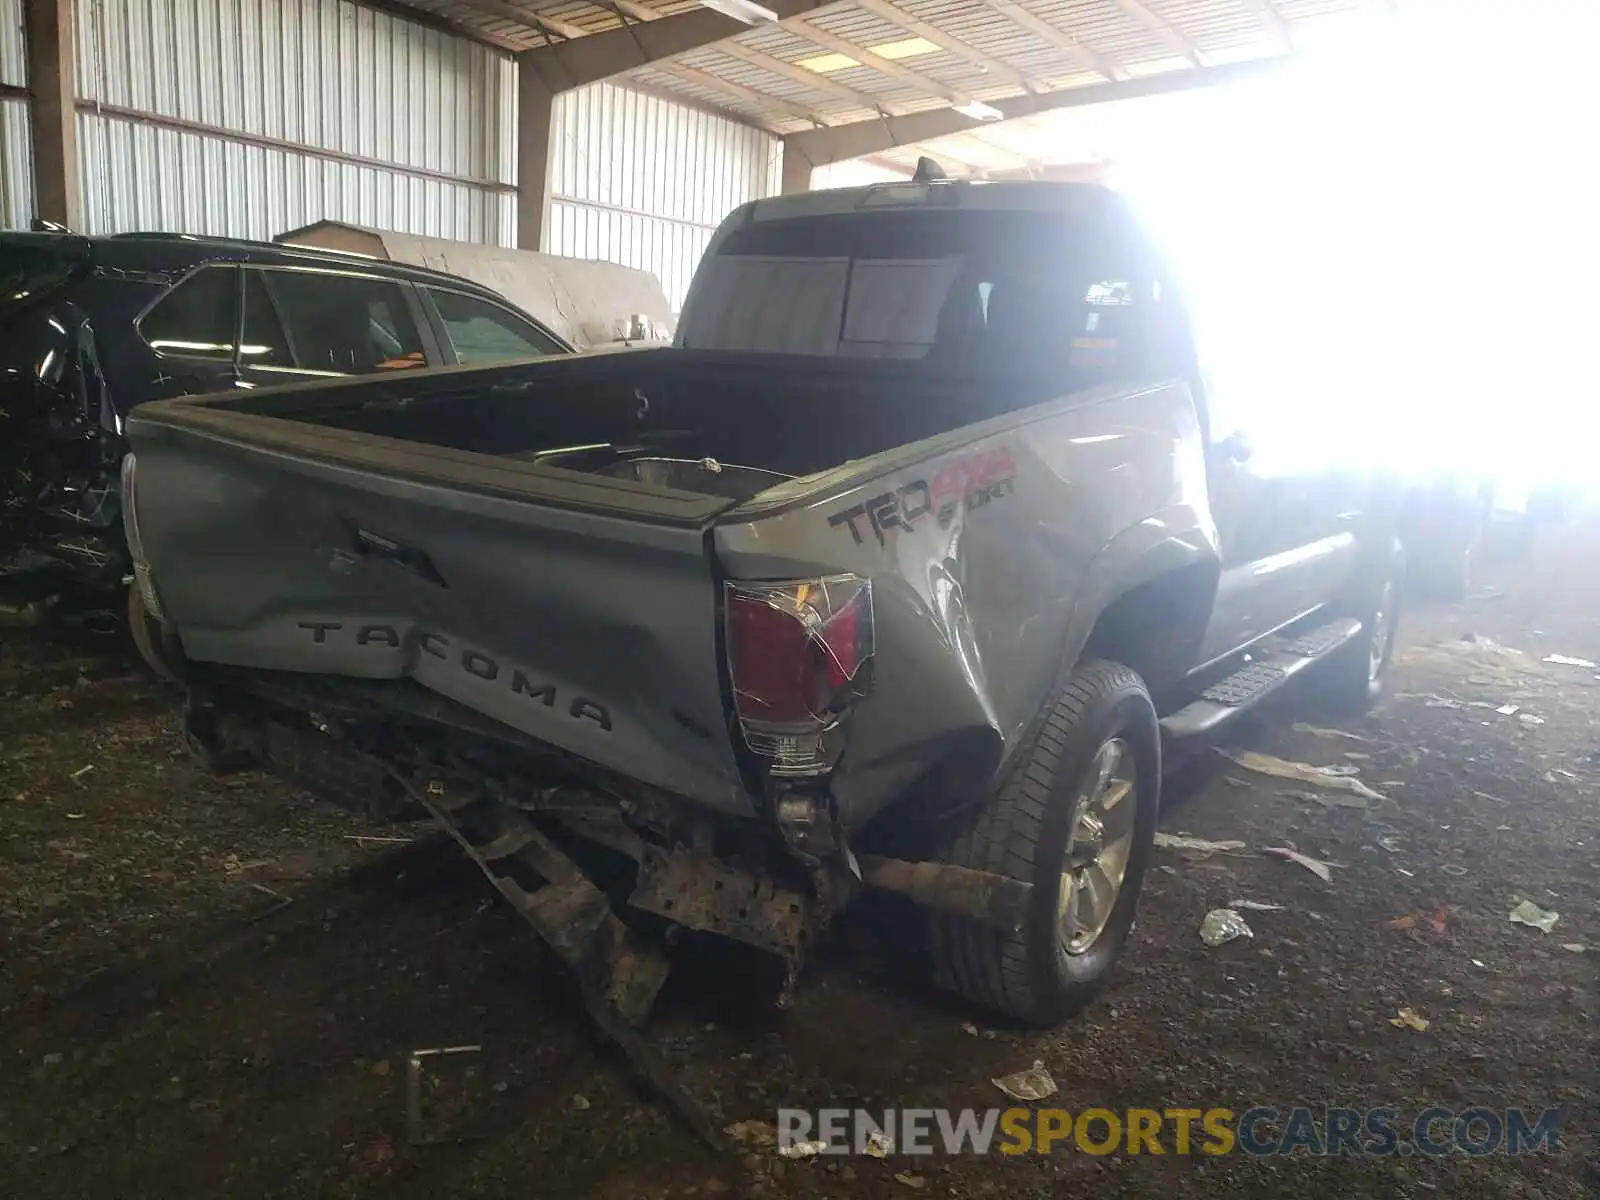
(1269,668)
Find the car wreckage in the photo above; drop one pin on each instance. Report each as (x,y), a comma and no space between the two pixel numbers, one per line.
(894,572)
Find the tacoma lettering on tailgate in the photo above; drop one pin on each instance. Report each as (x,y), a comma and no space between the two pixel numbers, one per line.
(968,481)
(473,662)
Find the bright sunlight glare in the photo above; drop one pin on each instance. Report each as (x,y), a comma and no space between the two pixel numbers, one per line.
(1404,232)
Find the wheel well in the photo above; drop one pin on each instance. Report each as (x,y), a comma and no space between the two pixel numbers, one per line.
(1157,627)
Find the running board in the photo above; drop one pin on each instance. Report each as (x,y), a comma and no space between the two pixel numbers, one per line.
(1271,666)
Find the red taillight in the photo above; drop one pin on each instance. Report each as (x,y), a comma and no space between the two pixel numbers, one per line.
(797,653)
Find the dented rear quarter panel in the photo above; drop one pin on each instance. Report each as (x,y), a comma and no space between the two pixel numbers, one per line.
(992,551)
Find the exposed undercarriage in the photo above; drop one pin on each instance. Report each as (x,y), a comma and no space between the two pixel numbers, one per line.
(604,869)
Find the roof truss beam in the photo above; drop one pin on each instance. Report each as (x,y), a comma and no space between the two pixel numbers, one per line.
(914,25)
(1163,29)
(586,60)
(819,147)
(1272,22)
(1059,38)
(759,101)
(884,66)
(797,74)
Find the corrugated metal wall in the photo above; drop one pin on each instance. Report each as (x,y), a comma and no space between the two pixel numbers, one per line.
(641,181)
(16,178)
(285,74)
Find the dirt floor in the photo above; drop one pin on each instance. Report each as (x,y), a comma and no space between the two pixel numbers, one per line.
(211,987)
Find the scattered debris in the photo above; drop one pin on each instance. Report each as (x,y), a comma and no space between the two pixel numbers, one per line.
(1455,869)
(77,776)
(443,1085)
(1319,731)
(1328,777)
(1257,906)
(1574,947)
(1436,919)
(75,816)
(1223,925)
(759,1134)
(1443,702)
(916,1182)
(1528,913)
(967,1027)
(1033,1084)
(580,1103)
(283,901)
(1530,719)
(1327,799)
(1509,710)
(879,1144)
(1409,1018)
(1403,924)
(1566,660)
(1322,870)
(802,1149)
(1478,962)
(1392,844)
(1176,841)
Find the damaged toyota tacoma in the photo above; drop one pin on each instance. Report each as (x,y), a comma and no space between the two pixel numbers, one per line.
(896,571)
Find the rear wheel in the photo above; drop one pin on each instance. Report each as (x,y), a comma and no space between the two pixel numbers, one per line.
(1076,817)
(1354,675)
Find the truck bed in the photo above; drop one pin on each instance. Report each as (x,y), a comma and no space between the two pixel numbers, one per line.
(652,417)
(532,542)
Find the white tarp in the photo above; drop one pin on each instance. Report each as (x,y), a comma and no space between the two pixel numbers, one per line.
(588,303)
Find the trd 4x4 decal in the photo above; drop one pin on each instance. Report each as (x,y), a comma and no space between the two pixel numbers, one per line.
(966,482)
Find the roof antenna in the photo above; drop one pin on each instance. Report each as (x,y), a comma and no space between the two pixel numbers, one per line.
(928,171)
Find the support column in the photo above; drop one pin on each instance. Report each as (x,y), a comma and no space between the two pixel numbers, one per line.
(53,116)
(535,113)
(796,170)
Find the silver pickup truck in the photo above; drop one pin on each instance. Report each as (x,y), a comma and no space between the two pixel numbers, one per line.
(895,571)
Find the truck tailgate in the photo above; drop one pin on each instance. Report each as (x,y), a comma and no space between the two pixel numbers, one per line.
(581,613)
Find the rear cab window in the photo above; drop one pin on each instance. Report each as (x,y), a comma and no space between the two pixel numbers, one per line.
(964,292)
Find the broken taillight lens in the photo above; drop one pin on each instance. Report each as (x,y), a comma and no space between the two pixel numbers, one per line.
(798,654)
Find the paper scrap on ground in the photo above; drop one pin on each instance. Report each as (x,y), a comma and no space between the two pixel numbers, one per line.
(1566,660)
(1410,1019)
(1033,1084)
(1528,913)
(1282,768)
(1315,866)
(802,1149)
(1222,925)
(1176,841)
(1319,731)
(1257,906)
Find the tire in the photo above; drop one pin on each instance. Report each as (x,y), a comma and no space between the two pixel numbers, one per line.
(1027,829)
(1352,680)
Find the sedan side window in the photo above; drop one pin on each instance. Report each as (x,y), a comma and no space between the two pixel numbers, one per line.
(197,318)
(343,324)
(482,332)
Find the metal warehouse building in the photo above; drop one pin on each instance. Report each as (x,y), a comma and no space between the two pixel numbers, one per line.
(622,131)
